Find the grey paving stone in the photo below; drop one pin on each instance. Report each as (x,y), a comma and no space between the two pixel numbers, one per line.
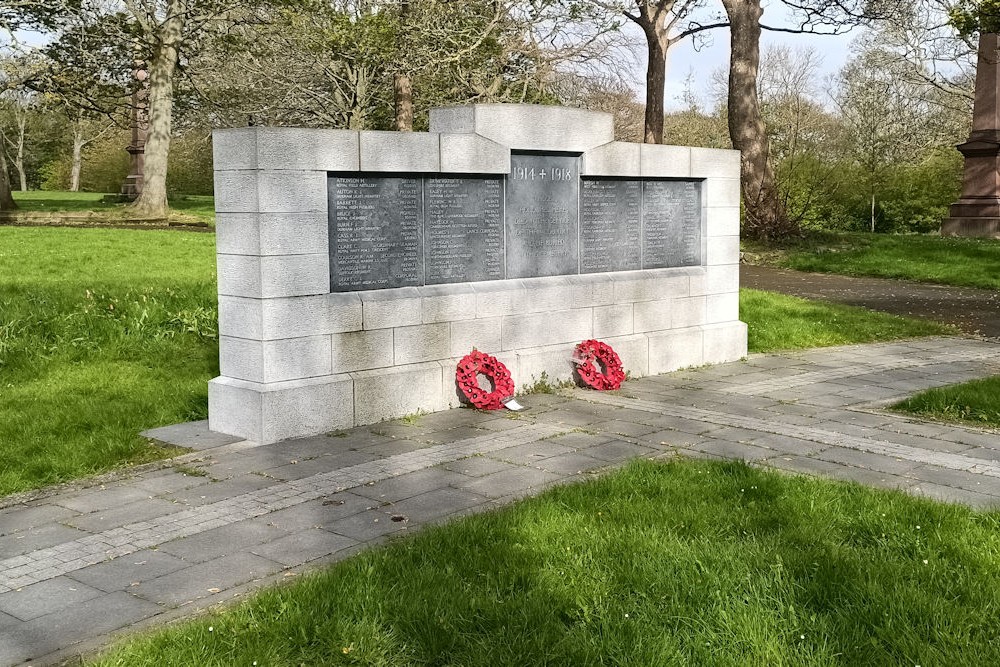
(571,464)
(205,579)
(119,574)
(306,468)
(577,440)
(509,482)
(248,461)
(623,428)
(533,452)
(617,450)
(671,438)
(501,424)
(73,624)
(477,466)
(934,444)
(133,512)
(453,434)
(735,434)
(455,418)
(303,546)
(102,498)
(867,460)
(436,504)
(805,465)
(732,450)
(193,435)
(691,426)
(985,453)
(395,447)
(570,417)
(409,485)
(224,541)
(46,597)
(169,480)
(957,478)
(367,526)
(974,438)
(952,495)
(23,517)
(216,491)
(788,445)
(397,429)
(31,539)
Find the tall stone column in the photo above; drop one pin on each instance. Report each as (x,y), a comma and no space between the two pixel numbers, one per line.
(132,186)
(977,212)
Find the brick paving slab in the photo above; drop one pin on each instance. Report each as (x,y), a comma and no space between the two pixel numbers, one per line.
(163,541)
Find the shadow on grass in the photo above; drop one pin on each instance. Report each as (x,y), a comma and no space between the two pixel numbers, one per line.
(687,562)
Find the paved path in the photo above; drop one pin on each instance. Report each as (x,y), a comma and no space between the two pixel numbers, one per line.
(975,311)
(79,564)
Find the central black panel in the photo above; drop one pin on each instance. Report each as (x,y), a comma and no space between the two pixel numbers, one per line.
(543,215)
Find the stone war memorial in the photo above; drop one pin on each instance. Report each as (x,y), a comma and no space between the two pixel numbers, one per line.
(356,268)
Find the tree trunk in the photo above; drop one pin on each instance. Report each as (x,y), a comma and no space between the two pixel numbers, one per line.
(401,83)
(656,79)
(6,198)
(403,88)
(19,158)
(74,174)
(765,217)
(873,212)
(153,200)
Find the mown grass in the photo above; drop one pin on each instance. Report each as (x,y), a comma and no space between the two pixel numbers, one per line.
(932,259)
(658,564)
(103,333)
(199,207)
(976,402)
(780,322)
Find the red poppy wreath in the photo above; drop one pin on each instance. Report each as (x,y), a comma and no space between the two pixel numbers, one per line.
(467,375)
(591,356)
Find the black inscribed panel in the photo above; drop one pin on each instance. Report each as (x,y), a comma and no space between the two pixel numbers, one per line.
(376,232)
(671,224)
(610,219)
(463,233)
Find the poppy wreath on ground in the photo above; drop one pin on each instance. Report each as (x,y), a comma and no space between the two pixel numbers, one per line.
(467,375)
(591,356)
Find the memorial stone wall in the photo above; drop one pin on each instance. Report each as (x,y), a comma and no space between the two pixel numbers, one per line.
(356,268)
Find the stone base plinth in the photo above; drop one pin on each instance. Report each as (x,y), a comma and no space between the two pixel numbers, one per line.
(988,228)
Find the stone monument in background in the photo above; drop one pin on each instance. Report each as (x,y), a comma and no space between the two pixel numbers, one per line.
(132,186)
(977,212)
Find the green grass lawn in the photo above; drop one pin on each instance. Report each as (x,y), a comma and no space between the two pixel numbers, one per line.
(200,207)
(932,259)
(976,402)
(103,333)
(780,322)
(688,562)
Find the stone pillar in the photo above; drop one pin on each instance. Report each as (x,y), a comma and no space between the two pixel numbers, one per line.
(977,212)
(132,186)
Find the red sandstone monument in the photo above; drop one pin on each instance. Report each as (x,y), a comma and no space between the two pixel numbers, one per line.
(977,212)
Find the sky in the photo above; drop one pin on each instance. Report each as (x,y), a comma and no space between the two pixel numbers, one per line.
(683,59)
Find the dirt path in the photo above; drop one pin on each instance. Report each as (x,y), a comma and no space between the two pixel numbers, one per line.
(975,311)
